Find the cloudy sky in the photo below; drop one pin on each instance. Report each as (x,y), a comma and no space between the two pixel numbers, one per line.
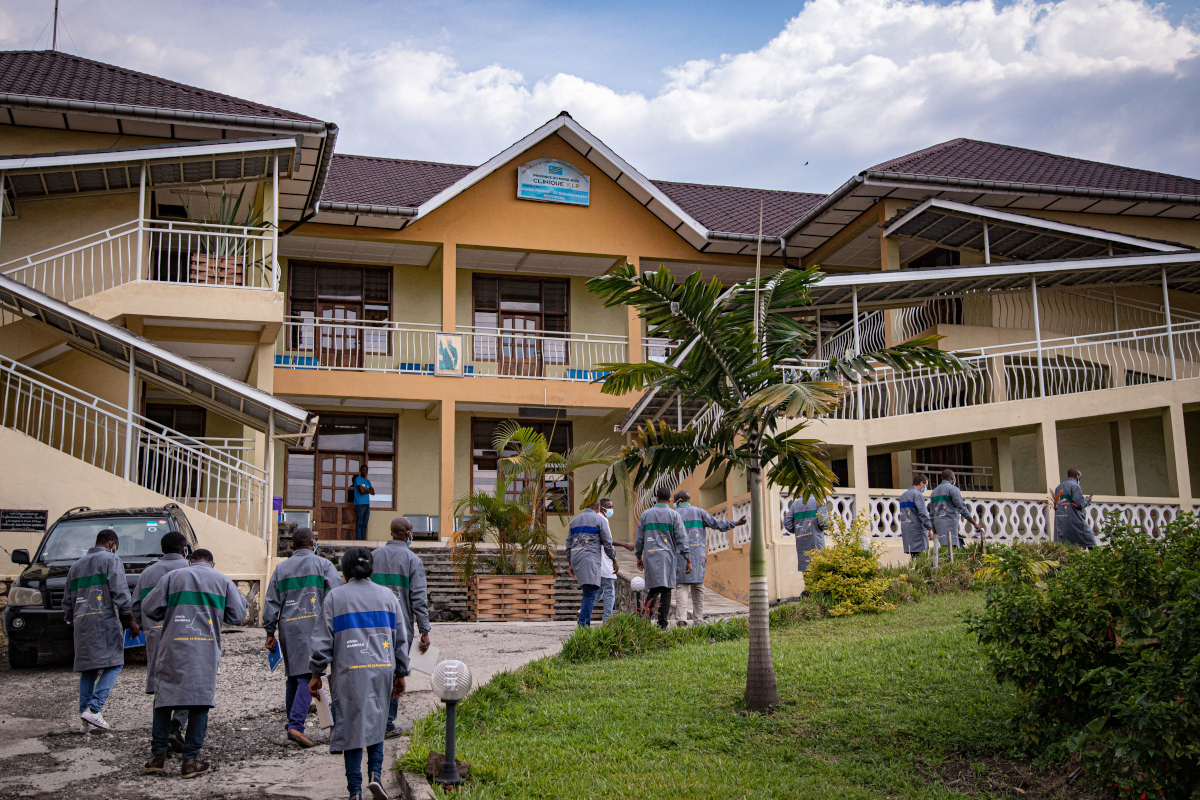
(787,95)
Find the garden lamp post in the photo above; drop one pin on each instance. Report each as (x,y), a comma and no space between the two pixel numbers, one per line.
(451,680)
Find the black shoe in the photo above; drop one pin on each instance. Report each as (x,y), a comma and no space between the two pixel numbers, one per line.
(175,739)
(375,787)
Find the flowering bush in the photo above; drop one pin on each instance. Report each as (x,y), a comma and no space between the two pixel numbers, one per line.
(1106,654)
(846,573)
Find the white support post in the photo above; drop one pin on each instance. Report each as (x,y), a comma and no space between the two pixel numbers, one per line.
(857,351)
(269,488)
(679,411)
(987,245)
(818,333)
(129,443)
(1170,334)
(275,225)
(3,201)
(1116,309)
(141,218)
(1037,336)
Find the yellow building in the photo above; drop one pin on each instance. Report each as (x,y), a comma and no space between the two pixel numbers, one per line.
(354,311)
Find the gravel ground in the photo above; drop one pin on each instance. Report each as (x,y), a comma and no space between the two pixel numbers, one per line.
(42,755)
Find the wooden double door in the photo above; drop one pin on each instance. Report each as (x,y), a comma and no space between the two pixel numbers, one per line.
(335,494)
(520,345)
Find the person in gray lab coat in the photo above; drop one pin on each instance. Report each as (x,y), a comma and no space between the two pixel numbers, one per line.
(95,604)
(292,608)
(660,541)
(192,604)
(587,535)
(946,506)
(807,520)
(1070,524)
(400,570)
(173,546)
(695,522)
(360,640)
(916,529)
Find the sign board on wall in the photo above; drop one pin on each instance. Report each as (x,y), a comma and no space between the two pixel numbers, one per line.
(549,180)
(23,519)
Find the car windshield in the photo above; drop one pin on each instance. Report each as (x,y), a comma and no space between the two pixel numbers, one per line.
(139,536)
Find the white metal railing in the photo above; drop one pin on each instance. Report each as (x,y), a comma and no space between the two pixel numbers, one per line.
(1001,373)
(646,498)
(657,349)
(839,504)
(870,336)
(213,480)
(545,355)
(909,323)
(152,250)
(971,479)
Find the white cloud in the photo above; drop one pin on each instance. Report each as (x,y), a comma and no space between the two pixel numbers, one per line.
(845,84)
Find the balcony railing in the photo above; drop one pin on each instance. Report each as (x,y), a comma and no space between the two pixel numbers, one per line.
(969,479)
(408,348)
(208,475)
(156,251)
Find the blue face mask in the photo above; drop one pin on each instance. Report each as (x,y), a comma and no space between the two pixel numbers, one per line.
(608,512)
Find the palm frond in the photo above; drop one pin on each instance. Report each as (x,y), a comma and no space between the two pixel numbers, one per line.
(799,399)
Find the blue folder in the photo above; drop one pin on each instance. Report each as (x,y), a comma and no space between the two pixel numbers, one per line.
(140,641)
(275,656)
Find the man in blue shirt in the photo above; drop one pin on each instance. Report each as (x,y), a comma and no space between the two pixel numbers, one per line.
(362,503)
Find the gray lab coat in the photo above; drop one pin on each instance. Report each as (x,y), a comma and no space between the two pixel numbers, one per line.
(807,520)
(946,506)
(400,570)
(192,604)
(96,598)
(588,535)
(914,521)
(695,522)
(1070,523)
(145,585)
(660,541)
(293,605)
(357,638)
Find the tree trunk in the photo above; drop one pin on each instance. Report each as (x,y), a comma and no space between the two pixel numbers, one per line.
(761,692)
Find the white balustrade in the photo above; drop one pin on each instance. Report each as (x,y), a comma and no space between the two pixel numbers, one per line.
(544,355)
(870,336)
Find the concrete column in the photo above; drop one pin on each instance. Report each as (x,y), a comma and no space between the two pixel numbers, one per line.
(446,461)
(904,460)
(857,472)
(1047,448)
(1127,468)
(635,322)
(450,289)
(1004,467)
(1179,474)
(261,376)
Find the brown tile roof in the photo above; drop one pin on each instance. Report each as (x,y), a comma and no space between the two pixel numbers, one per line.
(387,181)
(734,209)
(45,73)
(969,158)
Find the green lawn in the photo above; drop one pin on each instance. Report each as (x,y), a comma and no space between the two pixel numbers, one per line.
(871,706)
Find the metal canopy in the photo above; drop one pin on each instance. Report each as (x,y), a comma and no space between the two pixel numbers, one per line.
(119,169)
(174,373)
(1012,236)
(899,288)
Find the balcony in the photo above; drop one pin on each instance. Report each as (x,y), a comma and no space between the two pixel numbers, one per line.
(408,349)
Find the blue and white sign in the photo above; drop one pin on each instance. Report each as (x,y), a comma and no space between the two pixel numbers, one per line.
(449,348)
(549,180)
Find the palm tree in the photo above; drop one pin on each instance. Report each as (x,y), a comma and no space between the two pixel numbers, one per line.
(750,371)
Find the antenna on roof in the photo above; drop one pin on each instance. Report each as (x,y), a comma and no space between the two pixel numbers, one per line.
(54,39)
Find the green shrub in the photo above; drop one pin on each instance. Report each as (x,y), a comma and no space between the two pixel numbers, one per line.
(1105,651)
(629,635)
(846,575)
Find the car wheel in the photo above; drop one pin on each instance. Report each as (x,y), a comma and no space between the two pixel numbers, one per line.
(20,658)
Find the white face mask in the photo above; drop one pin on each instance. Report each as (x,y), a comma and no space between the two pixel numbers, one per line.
(608,512)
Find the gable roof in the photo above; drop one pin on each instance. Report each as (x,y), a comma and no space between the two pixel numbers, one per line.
(388,182)
(47,73)
(734,209)
(987,161)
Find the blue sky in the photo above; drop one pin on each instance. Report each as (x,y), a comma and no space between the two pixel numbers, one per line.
(737,93)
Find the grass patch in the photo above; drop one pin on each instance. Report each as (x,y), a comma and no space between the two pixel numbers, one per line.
(874,706)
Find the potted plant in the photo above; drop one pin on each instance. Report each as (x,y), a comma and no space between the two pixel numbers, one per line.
(517,583)
(222,259)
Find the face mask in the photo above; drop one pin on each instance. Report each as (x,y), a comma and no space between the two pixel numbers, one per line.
(608,512)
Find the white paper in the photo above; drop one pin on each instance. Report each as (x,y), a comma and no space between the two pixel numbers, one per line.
(324,714)
(422,662)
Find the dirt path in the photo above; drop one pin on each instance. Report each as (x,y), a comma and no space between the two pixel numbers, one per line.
(42,755)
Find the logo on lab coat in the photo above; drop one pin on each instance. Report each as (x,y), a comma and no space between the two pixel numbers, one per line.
(307,604)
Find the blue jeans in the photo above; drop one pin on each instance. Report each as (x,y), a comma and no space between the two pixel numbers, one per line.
(590,593)
(354,765)
(362,513)
(608,587)
(393,710)
(95,686)
(298,701)
(193,739)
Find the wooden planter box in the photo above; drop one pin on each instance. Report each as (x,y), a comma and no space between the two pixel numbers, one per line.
(218,270)
(503,598)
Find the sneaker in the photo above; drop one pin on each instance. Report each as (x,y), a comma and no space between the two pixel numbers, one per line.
(156,764)
(375,787)
(193,767)
(83,728)
(95,718)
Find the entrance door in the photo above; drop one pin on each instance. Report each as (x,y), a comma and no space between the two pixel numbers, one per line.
(335,501)
(521,350)
(340,346)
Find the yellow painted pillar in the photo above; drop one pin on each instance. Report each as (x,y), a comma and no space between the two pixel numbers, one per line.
(446,461)
(1179,474)
(635,322)
(1128,467)
(857,472)
(449,291)
(1047,447)
(1004,466)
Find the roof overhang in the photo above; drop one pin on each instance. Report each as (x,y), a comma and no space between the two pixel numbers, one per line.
(174,373)
(58,174)
(1003,234)
(901,288)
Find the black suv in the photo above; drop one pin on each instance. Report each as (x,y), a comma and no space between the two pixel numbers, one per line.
(34,617)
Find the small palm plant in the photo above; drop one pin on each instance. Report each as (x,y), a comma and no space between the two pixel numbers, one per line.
(225,248)
(531,481)
(1009,566)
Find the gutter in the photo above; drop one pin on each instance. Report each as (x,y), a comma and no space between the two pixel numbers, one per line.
(774,241)
(367,208)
